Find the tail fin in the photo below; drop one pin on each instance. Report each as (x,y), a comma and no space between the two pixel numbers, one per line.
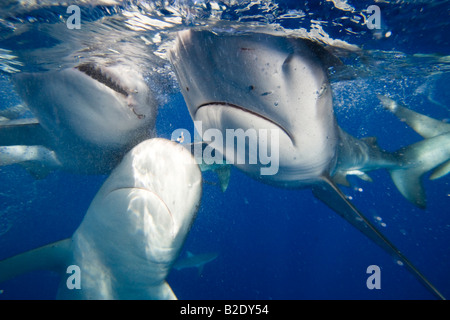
(416,160)
(222,169)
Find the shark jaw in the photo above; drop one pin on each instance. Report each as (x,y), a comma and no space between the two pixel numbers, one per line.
(253,84)
(130,94)
(89,115)
(252,145)
(240,108)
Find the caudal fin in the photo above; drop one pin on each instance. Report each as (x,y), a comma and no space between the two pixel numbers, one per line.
(432,153)
(415,161)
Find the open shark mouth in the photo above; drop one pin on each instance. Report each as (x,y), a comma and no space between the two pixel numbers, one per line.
(98,74)
(237,107)
(101,75)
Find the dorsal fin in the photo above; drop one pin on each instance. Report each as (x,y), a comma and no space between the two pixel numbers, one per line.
(223,173)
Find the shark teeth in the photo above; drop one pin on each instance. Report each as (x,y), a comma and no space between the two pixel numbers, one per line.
(98,74)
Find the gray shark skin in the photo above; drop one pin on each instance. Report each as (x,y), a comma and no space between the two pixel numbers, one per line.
(132,232)
(87,118)
(434,149)
(280,83)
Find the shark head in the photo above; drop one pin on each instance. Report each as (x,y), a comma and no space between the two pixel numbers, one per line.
(102,105)
(91,111)
(136,225)
(259,81)
(132,232)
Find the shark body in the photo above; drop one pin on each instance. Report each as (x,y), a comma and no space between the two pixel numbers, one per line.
(132,232)
(260,81)
(432,153)
(86,119)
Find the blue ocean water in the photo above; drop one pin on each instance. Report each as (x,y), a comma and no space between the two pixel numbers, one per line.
(272,243)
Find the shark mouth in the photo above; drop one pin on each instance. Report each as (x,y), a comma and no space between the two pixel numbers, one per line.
(103,77)
(98,74)
(153,194)
(237,107)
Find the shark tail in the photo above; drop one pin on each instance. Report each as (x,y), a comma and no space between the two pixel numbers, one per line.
(432,153)
(415,161)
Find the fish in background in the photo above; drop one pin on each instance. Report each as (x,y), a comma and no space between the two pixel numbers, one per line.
(195,261)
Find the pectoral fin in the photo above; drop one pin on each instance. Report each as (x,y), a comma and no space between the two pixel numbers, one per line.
(330,194)
(38,160)
(26,131)
(53,257)
(223,173)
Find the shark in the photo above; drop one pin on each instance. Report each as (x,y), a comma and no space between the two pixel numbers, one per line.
(435,148)
(195,261)
(132,232)
(85,118)
(256,80)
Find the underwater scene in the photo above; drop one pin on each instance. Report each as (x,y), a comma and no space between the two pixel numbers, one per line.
(224,150)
